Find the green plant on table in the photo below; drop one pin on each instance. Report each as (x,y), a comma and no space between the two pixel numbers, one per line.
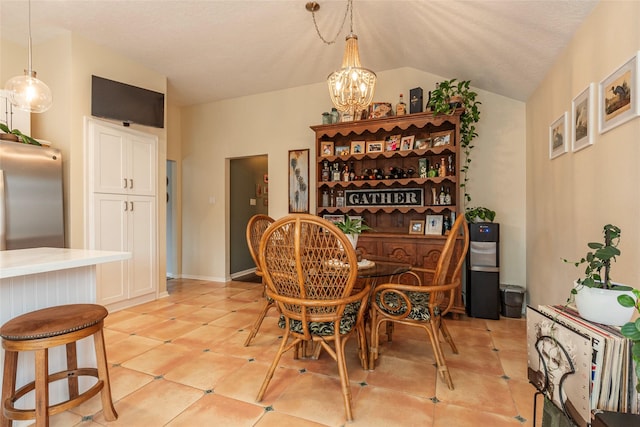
(352,225)
(21,136)
(631,330)
(481,213)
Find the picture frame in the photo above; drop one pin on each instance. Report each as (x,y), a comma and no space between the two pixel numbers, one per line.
(618,96)
(582,122)
(333,218)
(416,227)
(375,146)
(434,225)
(406,143)
(326,148)
(379,109)
(358,147)
(558,136)
(342,151)
(440,139)
(392,143)
(299,181)
(421,143)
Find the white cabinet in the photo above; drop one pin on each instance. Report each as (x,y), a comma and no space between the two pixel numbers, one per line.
(125,223)
(122,211)
(125,163)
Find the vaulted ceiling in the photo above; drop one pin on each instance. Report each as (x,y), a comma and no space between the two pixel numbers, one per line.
(217,49)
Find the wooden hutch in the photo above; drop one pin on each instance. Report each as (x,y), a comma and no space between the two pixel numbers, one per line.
(387,188)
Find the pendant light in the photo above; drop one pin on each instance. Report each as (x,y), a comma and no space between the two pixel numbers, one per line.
(351,88)
(27,92)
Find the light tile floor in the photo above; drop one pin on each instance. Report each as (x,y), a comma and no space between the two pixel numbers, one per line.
(180,361)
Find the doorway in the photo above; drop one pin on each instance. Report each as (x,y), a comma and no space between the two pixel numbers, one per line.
(249,195)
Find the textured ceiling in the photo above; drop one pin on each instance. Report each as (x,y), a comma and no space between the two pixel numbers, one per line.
(212,49)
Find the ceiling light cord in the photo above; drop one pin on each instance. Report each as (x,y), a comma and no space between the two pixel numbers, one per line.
(313,7)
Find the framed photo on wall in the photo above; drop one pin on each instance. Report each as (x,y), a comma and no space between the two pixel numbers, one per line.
(558,136)
(582,121)
(375,146)
(326,148)
(438,139)
(299,181)
(358,147)
(618,96)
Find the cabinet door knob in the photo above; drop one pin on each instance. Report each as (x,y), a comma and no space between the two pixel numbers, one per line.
(126,207)
(125,182)
(130,183)
(131,206)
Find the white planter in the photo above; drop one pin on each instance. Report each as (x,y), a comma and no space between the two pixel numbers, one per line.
(601,305)
(353,238)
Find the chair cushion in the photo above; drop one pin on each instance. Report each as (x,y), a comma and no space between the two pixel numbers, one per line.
(419,305)
(347,322)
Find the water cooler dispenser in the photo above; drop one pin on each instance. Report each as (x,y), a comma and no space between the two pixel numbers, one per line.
(483,271)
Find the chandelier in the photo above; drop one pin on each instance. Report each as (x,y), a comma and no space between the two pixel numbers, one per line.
(351,87)
(27,92)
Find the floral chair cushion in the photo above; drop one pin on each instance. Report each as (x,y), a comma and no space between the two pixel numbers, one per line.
(419,305)
(347,322)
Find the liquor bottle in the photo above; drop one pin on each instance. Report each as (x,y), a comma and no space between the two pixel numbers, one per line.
(332,199)
(345,173)
(340,199)
(325,199)
(442,197)
(401,107)
(432,172)
(447,196)
(446,225)
(352,172)
(451,168)
(442,171)
(325,171)
(335,175)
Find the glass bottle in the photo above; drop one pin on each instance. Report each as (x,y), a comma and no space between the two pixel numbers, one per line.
(401,107)
(345,173)
(447,196)
(332,199)
(325,171)
(442,171)
(442,197)
(335,175)
(325,199)
(352,172)
(450,166)
(335,116)
(340,199)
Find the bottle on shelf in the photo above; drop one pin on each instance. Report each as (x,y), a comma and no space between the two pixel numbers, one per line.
(401,107)
(325,199)
(332,199)
(335,116)
(352,172)
(442,171)
(345,172)
(340,199)
(434,197)
(325,171)
(447,196)
(335,174)
(442,197)
(451,169)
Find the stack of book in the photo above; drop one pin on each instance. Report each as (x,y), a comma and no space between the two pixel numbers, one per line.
(580,365)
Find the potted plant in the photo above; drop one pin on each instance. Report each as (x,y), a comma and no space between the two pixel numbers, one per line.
(596,295)
(479,214)
(631,330)
(445,98)
(16,136)
(352,227)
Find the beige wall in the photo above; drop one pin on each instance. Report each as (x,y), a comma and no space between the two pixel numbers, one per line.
(273,123)
(570,198)
(66,64)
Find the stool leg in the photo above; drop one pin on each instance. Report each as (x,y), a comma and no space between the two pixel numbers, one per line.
(8,383)
(109,411)
(42,387)
(72,365)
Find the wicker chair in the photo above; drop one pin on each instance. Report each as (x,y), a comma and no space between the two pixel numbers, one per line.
(255,229)
(422,306)
(310,269)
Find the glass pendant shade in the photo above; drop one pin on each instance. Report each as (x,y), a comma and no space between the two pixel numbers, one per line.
(351,88)
(29,93)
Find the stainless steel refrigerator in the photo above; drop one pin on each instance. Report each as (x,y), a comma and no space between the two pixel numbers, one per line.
(31,204)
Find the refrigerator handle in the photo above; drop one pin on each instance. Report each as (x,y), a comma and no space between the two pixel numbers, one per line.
(3,214)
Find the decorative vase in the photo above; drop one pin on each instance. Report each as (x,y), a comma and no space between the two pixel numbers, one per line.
(601,305)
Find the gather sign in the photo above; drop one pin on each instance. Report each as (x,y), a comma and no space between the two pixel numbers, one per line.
(385,197)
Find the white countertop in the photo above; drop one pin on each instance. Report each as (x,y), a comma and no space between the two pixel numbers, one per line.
(22,262)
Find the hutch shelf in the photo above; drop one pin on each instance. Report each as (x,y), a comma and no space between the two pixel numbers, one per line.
(392,172)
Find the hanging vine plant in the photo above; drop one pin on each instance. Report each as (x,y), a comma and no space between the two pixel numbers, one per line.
(445,98)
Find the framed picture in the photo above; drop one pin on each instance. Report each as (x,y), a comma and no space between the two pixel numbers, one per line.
(439,139)
(416,227)
(406,143)
(618,96)
(374,146)
(379,109)
(326,148)
(582,122)
(434,224)
(333,218)
(392,143)
(299,181)
(342,151)
(357,147)
(558,136)
(421,143)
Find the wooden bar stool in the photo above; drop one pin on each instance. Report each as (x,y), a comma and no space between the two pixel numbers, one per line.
(43,329)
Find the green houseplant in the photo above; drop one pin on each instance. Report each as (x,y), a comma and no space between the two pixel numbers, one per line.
(19,135)
(352,227)
(596,295)
(631,330)
(479,214)
(445,98)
